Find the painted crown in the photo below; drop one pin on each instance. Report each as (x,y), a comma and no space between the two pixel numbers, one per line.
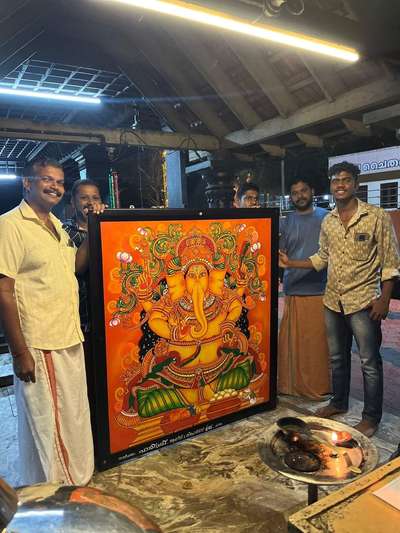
(196,248)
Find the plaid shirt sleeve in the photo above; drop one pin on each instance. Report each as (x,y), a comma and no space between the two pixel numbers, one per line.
(320,259)
(76,235)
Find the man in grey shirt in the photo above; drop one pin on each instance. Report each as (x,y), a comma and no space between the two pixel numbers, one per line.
(303,359)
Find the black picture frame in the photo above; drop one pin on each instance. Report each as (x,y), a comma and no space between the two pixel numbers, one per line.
(103,456)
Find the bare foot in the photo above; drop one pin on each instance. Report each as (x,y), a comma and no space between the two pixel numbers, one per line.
(366,427)
(328,411)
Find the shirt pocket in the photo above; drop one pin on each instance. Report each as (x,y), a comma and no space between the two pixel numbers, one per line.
(68,251)
(361,246)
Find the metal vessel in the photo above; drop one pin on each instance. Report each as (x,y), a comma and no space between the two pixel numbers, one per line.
(53,508)
(317,451)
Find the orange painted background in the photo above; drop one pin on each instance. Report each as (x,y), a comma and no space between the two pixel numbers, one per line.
(122,340)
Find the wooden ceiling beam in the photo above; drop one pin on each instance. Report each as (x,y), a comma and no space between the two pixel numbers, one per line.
(168,65)
(311,141)
(254,60)
(314,21)
(117,119)
(382,115)
(324,75)
(124,47)
(273,150)
(244,158)
(66,133)
(41,146)
(356,127)
(197,53)
(375,93)
(319,22)
(129,64)
(154,96)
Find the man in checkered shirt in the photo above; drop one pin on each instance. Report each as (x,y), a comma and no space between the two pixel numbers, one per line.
(358,246)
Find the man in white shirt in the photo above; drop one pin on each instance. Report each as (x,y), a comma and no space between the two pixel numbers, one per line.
(39,309)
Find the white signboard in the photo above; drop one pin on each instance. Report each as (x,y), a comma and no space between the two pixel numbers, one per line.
(373,161)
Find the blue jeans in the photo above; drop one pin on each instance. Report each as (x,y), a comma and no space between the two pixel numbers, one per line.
(368,335)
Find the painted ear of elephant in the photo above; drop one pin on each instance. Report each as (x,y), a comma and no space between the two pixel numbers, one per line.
(216,281)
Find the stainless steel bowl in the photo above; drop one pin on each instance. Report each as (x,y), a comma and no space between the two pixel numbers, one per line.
(48,508)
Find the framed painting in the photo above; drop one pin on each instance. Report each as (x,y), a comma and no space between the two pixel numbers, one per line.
(184,324)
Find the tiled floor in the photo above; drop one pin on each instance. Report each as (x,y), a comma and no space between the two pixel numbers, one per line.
(216,482)
(391,360)
(126,480)
(8,441)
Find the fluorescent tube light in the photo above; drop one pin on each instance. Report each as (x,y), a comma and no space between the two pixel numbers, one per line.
(221,20)
(8,177)
(51,96)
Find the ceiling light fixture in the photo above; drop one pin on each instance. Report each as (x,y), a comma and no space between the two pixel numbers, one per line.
(50,96)
(8,177)
(221,20)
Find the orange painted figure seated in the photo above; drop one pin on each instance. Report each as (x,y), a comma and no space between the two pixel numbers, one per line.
(195,341)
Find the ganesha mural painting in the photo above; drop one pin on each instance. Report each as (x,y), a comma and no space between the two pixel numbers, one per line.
(185,324)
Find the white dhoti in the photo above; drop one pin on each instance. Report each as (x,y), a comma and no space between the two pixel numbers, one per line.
(54,432)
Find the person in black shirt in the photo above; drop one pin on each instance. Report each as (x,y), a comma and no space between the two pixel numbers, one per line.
(85,198)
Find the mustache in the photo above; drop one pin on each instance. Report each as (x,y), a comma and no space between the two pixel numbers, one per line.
(301,200)
(58,193)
